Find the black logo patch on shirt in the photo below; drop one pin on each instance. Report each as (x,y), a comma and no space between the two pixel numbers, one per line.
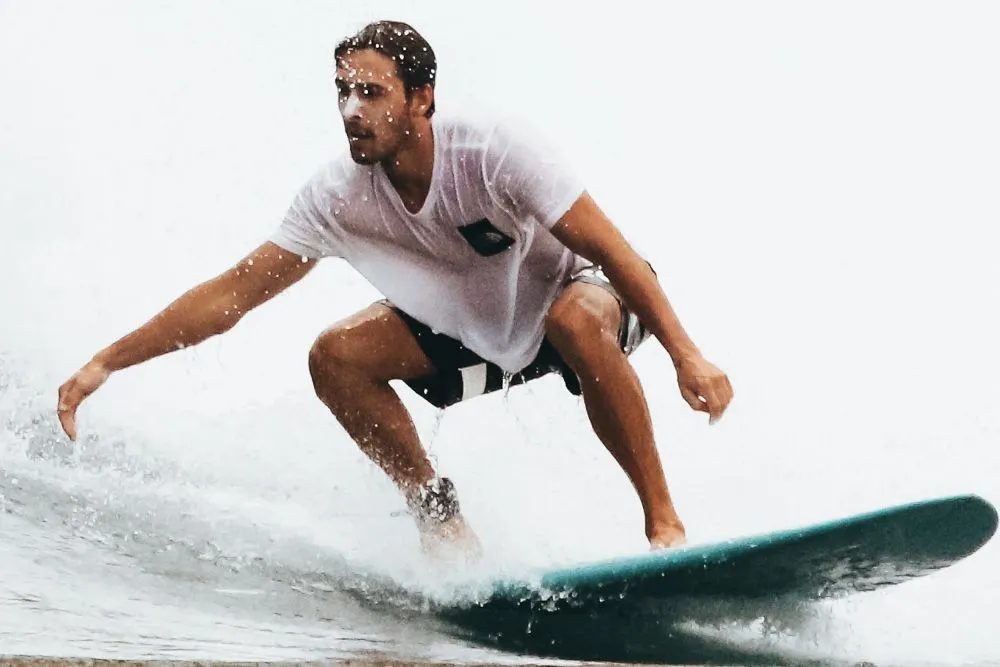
(484,238)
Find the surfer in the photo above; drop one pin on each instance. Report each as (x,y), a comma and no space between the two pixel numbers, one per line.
(497,268)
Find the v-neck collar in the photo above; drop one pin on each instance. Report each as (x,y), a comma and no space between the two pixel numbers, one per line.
(432,190)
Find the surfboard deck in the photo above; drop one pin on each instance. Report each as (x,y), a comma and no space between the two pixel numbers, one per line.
(854,554)
(639,608)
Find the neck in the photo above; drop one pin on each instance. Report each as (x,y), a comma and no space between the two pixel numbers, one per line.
(410,169)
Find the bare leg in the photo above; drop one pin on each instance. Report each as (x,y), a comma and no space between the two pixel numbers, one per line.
(351,365)
(583,326)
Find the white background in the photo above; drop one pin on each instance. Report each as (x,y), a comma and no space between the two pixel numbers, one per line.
(816,184)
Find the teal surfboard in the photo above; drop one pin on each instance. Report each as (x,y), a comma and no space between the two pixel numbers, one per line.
(565,611)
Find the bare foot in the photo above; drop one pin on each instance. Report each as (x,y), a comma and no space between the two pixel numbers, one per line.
(450,539)
(667,536)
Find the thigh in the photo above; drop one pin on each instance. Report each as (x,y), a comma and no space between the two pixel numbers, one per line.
(457,374)
(375,341)
(588,312)
(631,333)
(584,308)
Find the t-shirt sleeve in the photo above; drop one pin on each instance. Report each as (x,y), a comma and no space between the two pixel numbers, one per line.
(309,227)
(525,173)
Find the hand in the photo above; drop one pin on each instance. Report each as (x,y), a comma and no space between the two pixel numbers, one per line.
(83,383)
(704,387)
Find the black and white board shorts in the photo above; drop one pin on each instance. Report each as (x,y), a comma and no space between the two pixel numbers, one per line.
(461,374)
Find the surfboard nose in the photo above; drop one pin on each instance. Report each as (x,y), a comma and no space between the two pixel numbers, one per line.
(975,521)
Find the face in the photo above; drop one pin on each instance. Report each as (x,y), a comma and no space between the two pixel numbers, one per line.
(377,115)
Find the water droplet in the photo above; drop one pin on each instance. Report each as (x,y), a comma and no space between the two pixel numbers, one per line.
(506,384)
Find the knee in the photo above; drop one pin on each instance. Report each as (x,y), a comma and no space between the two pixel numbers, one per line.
(576,323)
(330,359)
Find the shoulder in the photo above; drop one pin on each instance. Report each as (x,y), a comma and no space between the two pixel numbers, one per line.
(483,133)
(331,194)
(511,151)
(339,178)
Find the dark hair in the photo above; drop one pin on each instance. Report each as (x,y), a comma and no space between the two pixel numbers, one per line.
(415,62)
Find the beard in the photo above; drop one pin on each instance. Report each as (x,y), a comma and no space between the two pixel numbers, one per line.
(363,155)
(383,144)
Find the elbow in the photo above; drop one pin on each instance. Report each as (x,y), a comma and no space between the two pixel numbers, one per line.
(195,332)
(600,257)
(222,318)
(228,319)
(616,260)
(627,267)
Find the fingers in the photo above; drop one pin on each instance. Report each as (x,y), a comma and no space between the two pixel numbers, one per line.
(68,421)
(72,393)
(715,406)
(718,396)
(708,394)
(69,399)
(693,400)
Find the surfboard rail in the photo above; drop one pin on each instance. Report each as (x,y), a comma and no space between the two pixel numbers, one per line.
(847,555)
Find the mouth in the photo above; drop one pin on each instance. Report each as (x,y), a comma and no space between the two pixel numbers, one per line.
(360,135)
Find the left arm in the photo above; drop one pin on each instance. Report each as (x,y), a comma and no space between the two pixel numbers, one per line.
(588,232)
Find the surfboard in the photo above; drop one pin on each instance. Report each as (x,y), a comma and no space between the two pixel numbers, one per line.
(831,559)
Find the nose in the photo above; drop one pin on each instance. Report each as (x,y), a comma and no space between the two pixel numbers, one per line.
(352,106)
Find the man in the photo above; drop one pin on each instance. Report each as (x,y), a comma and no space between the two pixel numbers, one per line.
(488,255)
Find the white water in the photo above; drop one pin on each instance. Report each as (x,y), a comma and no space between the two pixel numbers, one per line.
(815,184)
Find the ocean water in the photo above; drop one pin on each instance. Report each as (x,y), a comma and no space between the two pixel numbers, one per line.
(815,184)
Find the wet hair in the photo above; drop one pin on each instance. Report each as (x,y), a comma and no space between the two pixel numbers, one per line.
(415,61)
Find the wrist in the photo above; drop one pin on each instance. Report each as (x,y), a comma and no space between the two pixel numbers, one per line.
(102,361)
(685,356)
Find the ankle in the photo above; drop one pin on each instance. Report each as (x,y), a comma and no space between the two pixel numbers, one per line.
(666,525)
(435,502)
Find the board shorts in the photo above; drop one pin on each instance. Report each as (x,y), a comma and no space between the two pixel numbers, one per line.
(461,374)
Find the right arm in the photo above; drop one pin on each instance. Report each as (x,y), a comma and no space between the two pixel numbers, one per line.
(207,310)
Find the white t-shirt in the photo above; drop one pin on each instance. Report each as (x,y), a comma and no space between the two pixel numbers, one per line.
(477,262)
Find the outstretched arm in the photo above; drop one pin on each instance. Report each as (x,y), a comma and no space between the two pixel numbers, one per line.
(588,232)
(206,310)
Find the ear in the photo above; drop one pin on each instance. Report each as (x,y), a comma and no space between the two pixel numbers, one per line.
(421,100)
